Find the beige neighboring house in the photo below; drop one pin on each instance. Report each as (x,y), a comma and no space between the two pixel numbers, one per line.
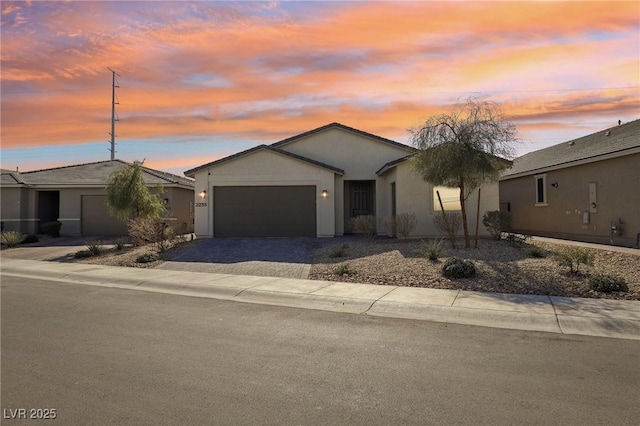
(312,185)
(76,196)
(587,189)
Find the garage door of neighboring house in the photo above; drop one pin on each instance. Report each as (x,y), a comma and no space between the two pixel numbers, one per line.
(264,211)
(96,219)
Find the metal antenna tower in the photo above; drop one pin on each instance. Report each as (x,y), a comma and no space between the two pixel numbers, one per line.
(114,117)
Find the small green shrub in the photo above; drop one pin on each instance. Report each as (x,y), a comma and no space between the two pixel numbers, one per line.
(573,257)
(538,252)
(52,229)
(497,222)
(147,258)
(402,224)
(433,249)
(364,225)
(119,244)
(11,238)
(83,254)
(606,283)
(458,268)
(94,247)
(31,238)
(339,251)
(344,269)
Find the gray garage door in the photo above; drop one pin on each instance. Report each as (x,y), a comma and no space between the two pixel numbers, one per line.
(96,219)
(264,211)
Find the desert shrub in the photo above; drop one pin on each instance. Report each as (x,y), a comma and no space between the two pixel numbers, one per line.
(119,244)
(538,252)
(573,257)
(517,240)
(497,222)
(344,269)
(11,238)
(94,247)
(145,230)
(402,224)
(339,251)
(364,225)
(606,283)
(458,268)
(147,258)
(83,254)
(454,219)
(433,249)
(52,229)
(31,238)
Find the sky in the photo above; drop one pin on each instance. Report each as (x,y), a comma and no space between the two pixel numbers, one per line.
(202,80)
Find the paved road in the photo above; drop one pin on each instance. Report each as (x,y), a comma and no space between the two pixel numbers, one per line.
(109,356)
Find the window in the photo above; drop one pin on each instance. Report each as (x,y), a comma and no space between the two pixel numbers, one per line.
(450,198)
(541,190)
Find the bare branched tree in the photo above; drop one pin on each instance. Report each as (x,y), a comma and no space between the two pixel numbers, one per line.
(464,149)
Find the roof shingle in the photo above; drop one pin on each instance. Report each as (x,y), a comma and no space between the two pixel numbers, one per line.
(616,139)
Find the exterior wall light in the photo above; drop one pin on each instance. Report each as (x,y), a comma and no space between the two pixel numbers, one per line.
(325,193)
(203,194)
(554,184)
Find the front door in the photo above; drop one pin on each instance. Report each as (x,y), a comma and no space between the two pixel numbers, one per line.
(48,207)
(360,200)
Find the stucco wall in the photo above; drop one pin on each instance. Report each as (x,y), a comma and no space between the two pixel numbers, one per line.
(265,168)
(359,156)
(617,193)
(180,208)
(14,210)
(415,196)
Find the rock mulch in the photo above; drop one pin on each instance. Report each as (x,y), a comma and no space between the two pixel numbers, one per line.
(501,267)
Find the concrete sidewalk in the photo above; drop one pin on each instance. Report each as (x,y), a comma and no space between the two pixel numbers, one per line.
(593,317)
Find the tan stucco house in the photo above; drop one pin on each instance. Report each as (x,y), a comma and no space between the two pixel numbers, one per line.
(75,195)
(587,189)
(312,184)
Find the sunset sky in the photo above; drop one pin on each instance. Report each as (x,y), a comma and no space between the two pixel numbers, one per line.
(202,80)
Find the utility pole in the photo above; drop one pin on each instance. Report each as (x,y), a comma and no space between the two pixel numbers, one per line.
(114,118)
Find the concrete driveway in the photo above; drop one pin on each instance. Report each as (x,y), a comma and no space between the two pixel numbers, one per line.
(267,257)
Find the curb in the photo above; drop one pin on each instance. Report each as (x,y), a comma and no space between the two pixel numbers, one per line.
(589,317)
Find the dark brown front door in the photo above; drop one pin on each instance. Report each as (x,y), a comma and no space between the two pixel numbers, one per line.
(359,200)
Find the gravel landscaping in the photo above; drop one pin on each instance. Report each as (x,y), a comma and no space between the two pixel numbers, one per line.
(500,267)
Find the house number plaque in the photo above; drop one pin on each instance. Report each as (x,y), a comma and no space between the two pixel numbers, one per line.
(201,204)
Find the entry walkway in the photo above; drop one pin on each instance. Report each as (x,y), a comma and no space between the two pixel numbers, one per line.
(594,317)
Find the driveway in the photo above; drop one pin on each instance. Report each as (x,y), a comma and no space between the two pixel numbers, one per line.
(267,257)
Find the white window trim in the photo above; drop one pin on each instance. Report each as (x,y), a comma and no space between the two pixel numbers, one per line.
(544,190)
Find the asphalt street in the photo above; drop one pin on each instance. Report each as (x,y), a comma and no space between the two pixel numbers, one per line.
(110,356)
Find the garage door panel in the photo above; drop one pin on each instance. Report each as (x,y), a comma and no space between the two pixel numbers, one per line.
(265,211)
(96,220)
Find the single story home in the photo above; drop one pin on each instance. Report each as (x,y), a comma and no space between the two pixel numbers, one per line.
(586,189)
(314,183)
(75,195)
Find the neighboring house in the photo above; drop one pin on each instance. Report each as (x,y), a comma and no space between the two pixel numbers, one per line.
(587,189)
(313,184)
(76,196)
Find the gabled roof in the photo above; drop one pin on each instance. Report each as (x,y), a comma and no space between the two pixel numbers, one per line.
(271,148)
(93,174)
(392,164)
(342,127)
(10,178)
(618,140)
